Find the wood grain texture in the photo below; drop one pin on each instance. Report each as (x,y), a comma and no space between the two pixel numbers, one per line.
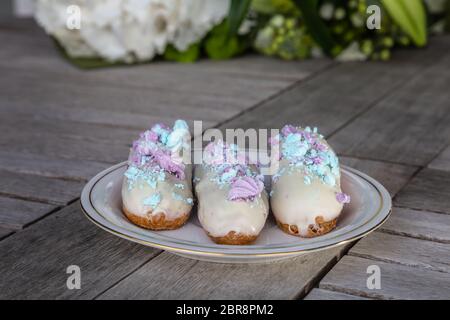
(333,98)
(193,82)
(76,130)
(404,250)
(409,126)
(322,294)
(15,213)
(64,147)
(4,232)
(397,281)
(48,166)
(423,225)
(442,161)
(55,90)
(263,66)
(429,190)
(158,89)
(392,176)
(52,111)
(171,277)
(34,261)
(36,188)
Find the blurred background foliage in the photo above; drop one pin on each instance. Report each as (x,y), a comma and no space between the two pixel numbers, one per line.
(299,29)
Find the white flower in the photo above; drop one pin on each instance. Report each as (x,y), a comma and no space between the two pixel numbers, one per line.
(196,18)
(130,30)
(52,15)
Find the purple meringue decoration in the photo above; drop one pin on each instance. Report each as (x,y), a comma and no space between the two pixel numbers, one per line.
(165,162)
(245,188)
(307,135)
(317,160)
(135,159)
(342,197)
(149,136)
(320,146)
(288,129)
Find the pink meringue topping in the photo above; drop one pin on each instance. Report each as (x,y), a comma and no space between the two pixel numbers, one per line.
(245,188)
(165,161)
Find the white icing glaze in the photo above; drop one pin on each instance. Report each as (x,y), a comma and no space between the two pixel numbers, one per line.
(133,198)
(296,203)
(219,216)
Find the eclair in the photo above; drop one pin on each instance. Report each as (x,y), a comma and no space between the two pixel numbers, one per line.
(157,186)
(306,196)
(232,202)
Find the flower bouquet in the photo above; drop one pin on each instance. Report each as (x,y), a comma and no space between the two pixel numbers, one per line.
(108,32)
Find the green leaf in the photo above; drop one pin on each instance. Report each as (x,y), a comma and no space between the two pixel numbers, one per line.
(264,6)
(271,7)
(411,17)
(315,25)
(236,14)
(220,47)
(190,55)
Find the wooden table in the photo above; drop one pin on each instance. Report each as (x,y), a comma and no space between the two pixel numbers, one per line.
(60,126)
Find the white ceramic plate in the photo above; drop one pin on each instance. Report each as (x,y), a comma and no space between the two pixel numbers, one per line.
(369,208)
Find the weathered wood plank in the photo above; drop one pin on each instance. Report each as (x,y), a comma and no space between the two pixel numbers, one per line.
(265,67)
(52,167)
(321,294)
(404,250)
(69,148)
(409,126)
(429,190)
(5,232)
(23,107)
(171,277)
(442,162)
(392,176)
(333,98)
(31,187)
(83,91)
(34,261)
(397,281)
(195,79)
(424,225)
(15,213)
(69,129)
(20,26)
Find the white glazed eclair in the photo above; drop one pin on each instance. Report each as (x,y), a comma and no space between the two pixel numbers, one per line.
(232,203)
(157,188)
(306,196)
